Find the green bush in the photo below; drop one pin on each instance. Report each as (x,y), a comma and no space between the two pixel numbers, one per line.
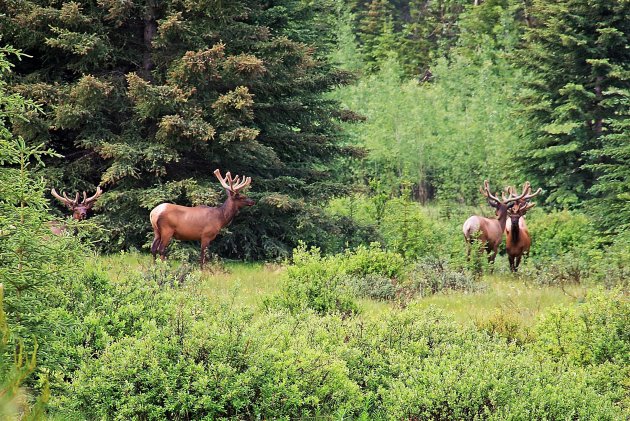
(374,286)
(434,275)
(330,283)
(594,336)
(404,226)
(561,232)
(314,282)
(592,333)
(221,361)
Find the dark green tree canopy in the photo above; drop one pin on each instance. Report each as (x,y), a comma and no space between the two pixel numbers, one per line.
(147,98)
(577,54)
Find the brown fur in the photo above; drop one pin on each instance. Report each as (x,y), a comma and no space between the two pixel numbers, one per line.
(489,231)
(185,223)
(518,240)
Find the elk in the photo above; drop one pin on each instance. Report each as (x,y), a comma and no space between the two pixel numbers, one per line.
(199,222)
(517,240)
(488,231)
(79,209)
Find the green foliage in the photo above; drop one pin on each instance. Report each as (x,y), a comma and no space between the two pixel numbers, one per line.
(595,336)
(220,361)
(575,99)
(314,282)
(404,226)
(38,269)
(560,232)
(414,32)
(15,368)
(593,333)
(328,284)
(443,138)
(149,119)
(434,275)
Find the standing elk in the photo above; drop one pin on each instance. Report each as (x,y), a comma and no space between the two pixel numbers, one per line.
(79,209)
(518,241)
(488,231)
(200,222)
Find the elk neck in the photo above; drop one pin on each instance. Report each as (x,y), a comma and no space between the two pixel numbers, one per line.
(515,230)
(228,209)
(502,217)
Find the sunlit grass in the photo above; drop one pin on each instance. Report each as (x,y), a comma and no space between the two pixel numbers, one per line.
(520,297)
(249,283)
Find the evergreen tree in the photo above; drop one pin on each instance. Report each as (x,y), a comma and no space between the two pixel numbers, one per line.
(579,59)
(147,98)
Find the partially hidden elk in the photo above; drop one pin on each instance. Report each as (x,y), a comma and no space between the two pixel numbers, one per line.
(488,231)
(79,210)
(198,223)
(518,240)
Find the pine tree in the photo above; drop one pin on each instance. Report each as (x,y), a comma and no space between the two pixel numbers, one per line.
(578,56)
(147,98)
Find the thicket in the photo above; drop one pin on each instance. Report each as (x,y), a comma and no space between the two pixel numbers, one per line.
(182,358)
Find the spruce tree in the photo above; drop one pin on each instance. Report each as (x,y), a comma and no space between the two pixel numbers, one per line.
(578,56)
(147,98)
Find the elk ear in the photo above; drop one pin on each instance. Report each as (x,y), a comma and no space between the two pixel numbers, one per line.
(493,203)
(511,205)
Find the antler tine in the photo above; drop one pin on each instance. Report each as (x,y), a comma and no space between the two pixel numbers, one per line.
(529,196)
(70,201)
(243,184)
(63,199)
(487,192)
(515,196)
(222,180)
(510,192)
(234,184)
(90,199)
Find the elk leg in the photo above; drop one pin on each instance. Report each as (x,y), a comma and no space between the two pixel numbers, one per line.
(164,241)
(512,268)
(155,246)
(204,245)
(518,262)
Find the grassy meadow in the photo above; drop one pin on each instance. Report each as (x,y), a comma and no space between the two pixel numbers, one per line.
(247,284)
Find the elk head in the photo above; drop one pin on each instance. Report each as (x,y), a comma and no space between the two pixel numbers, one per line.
(522,201)
(502,205)
(79,209)
(233,187)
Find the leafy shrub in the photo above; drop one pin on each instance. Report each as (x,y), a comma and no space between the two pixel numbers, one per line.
(432,276)
(406,227)
(505,324)
(560,232)
(219,361)
(329,283)
(595,336)
(593,333)
(314,282)
(611,265)
(372,260)
(374,286)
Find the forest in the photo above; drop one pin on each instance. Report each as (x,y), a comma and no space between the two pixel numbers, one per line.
(300,209)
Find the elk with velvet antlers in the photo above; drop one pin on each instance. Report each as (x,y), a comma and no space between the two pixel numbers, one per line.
(201,223)
(488,231)
(79,209)
(518,241)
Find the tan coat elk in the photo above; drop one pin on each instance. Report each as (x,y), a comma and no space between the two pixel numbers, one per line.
(201,223)
(488,231)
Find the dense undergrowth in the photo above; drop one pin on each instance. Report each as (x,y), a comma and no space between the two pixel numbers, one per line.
(164,352)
